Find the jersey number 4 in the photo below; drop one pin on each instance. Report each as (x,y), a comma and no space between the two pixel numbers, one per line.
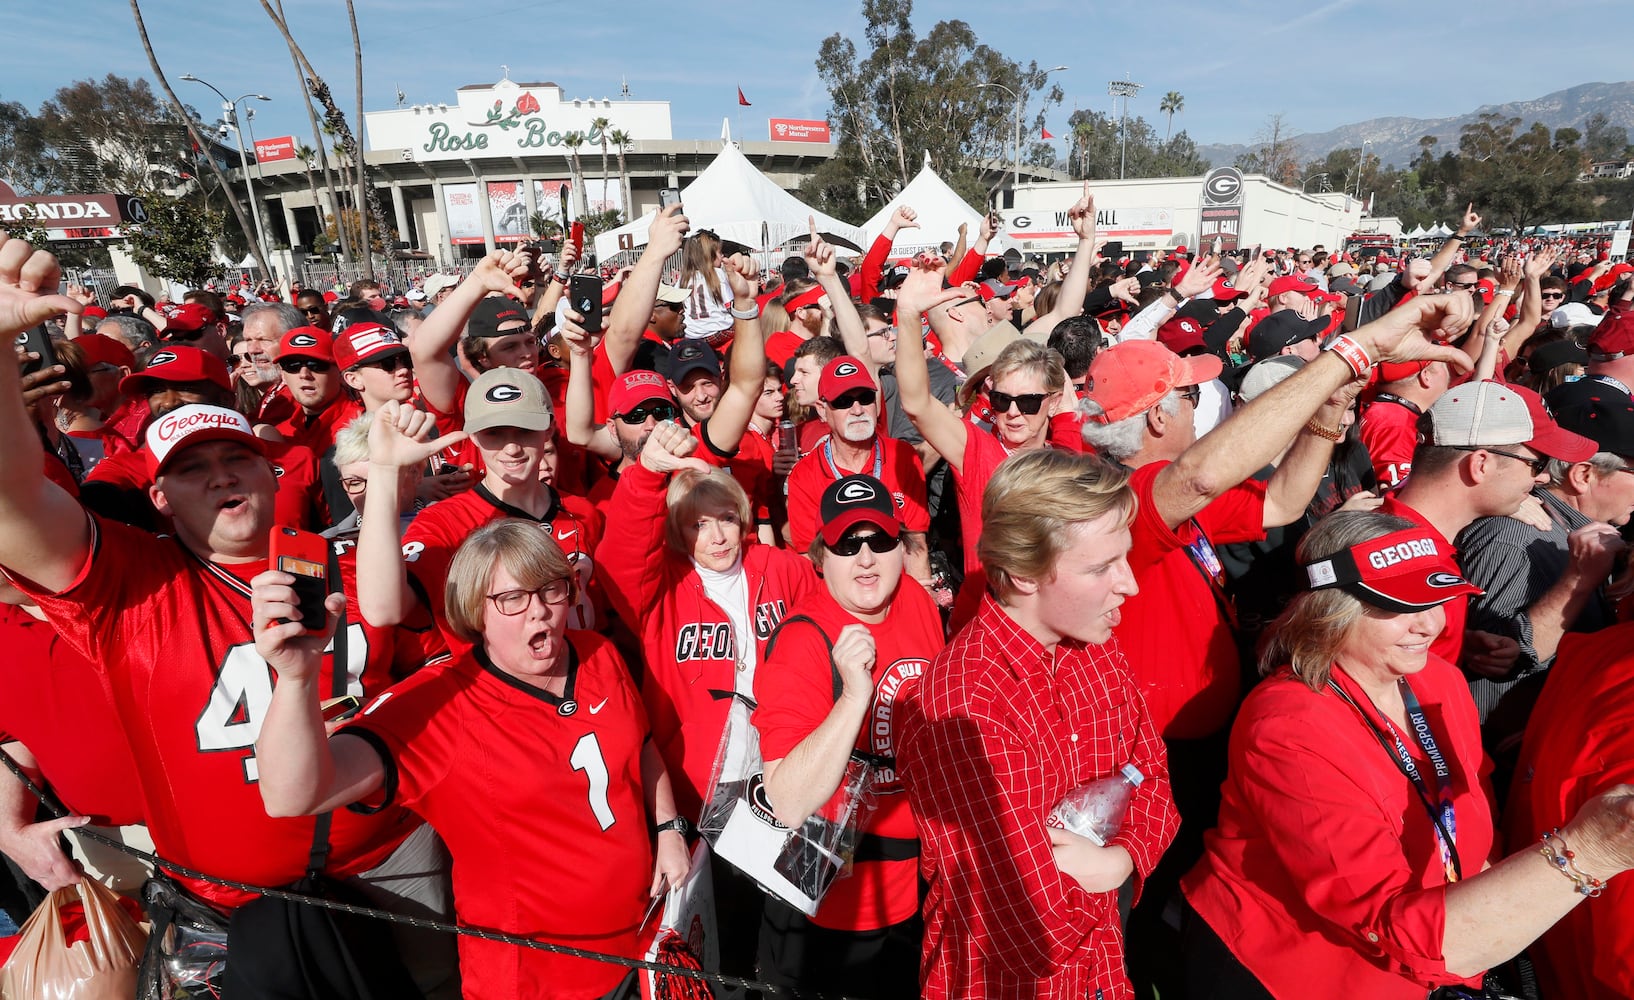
(231,720)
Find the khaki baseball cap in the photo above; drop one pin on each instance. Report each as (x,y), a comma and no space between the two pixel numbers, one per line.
(508,397)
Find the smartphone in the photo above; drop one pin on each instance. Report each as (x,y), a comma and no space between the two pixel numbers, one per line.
(1112,250)
(668,197)
(584,298)
(305,556)
(340,709)
(38,341)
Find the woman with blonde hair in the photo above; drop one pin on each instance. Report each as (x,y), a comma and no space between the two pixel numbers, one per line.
(1354,850)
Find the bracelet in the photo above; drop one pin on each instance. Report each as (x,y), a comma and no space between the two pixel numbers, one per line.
(1326,433)
(746,314)
(1458,236)
(1352,353)
(559,278)
(1504,291)
(1565,861)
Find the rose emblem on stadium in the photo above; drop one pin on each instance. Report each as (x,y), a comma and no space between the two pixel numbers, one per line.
(527,104)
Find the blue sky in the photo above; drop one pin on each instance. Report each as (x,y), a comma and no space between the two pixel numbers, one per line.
(1332,62)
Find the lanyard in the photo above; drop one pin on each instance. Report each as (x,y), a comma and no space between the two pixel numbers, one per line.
(1201,552)
(1390,397)
(1444,818)
(834,469)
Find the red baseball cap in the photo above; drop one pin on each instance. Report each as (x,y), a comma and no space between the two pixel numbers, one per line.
(842,375)
(178,363)
(1395,371)
(1225,291)
(363,342)
(1130,377)
(193,424)
(1180,334)
(1614,337)
(93,312)
(188,317)
(1548,437)
(307,342)
(1405,571)
(100,350)
(1292,283)
(635,387)
(853,500)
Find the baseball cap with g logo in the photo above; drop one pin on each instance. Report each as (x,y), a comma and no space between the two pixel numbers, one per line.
(508,397)
(855,500)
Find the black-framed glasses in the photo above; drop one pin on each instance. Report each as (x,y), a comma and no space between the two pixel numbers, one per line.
(234,360)
(293,365)
(513,602)
(878,542)
(313,310)
(884,331)
(391,363)
(1028,403)
(676,306)
(847,400)
(1192,393)
(657,411)
(1537,465)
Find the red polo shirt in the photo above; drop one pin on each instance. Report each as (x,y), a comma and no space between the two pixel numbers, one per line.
(899,469)
(1450,644)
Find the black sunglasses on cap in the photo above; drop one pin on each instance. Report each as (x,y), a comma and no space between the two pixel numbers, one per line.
(293,365)
(658,411)
(878,543)
(1028,403)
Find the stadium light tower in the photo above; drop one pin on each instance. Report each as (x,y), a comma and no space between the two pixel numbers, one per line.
(1125,90)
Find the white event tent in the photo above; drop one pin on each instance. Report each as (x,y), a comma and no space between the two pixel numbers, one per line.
(741,205)
(938,210)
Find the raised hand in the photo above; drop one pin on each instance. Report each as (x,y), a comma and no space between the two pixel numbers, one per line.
(578,340)
(1082,215)
(819,254)
(1199,278)
(1420,330)
(28,287)
(742,275)
(1471,222)
(853,657)
(285,645)
(904,218)
(400,436)
(668,447)
(669,228)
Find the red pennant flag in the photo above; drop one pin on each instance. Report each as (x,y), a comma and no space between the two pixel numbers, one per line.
(743,100)
(1047,134)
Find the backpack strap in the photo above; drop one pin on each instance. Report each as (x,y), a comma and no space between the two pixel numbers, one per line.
(827,642)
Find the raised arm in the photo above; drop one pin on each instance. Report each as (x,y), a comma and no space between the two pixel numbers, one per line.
(939,426)
(1070,302)
(1487,340)
(1145,324)
(44,534)
(432,345)
(399,438)
(1531,310)
(970,264)
(633,307)
(579,422)
(1443,258)
(820,259)
(746,372)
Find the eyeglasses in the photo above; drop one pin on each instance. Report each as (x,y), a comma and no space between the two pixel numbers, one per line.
(657,411)
(677,306)
(1028,403)
(353,486)
(847,400)
(312,310)
(1462,286)
(1537,465)
(878,543)
(391,364)
(293,365)
(1552,295)
(529,284)
(513,602)
(1193,394)
(884,331)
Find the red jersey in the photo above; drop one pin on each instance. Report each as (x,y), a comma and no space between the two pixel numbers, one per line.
(1449,645)
(794,690)
(123,430)
(894,463)
(780,346)
(317,430)
(53,701)
(172,635)
(1177,631)
(1390,433)
(540,801)
(438,531)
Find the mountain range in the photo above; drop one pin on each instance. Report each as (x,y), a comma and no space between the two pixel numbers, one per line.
(1395,140)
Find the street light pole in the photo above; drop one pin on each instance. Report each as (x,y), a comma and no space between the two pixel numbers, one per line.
(1361,161)
(231,109)
(1015,159)
(1124,89)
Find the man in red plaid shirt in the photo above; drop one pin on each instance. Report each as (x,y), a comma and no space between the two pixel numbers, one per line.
(1032,700)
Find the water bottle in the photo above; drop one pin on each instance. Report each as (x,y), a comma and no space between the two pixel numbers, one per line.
(1096,809)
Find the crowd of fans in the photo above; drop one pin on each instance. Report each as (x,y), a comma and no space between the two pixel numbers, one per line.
(1328,550)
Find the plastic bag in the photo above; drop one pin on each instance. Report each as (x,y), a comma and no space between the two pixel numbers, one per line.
(687,935)
(102,967)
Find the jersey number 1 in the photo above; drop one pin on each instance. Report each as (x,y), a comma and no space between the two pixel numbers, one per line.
(587,758)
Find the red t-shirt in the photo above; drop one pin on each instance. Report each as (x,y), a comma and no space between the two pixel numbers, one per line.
(317,431)
(172,634)
(1390,433)
(780,346)
(277,406)
(794,690)
(1324,876)
(1449,645)
(57,705)
(1176,632)
(542,811)
(750,464)
(898,468)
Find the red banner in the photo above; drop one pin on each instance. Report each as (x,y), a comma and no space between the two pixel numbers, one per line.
(273,150)
(798,130)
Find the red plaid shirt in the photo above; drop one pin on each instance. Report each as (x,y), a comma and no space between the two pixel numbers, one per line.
(999,733)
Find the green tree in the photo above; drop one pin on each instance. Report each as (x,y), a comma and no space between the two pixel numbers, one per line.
(1170,106)
(621,143)
(106,135)
(178,239)
(902,95)
(573,142)
(599,128)
(1604,141)
(1098,151)
(1518,179)
(23,160)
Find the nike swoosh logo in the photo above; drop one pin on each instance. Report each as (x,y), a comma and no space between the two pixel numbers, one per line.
(598,706)
(562,536)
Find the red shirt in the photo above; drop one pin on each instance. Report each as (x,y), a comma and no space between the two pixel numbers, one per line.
(1449,645)
(750,463)
(1000,732)
(780,346)
(1390,433)
(122,431)
(1324,876)
(1579,743)
(1176,631)
(900,471)
(172,634)
(317,431)
(794,690)
(542,812)
(56,705)
(277,406)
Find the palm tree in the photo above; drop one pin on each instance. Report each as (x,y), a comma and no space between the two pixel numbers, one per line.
(358,167)
(1171,105)
(599,128)
(571,141)
(297,58)
(309,157)
(621,144)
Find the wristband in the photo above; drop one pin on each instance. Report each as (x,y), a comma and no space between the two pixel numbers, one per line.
(747,314)
(1326,433)
(1504,291)
(559,278)
(1564,860)
(1352,353)
(1457,236)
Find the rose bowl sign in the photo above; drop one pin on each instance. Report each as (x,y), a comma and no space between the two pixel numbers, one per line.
(798,130)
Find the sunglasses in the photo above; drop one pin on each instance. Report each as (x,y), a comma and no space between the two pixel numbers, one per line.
(529,284)
(1192,393)
(677,306)
(312,310)
(391,364)
(878,543)
(1028,403)
(1553,295)
(847,400)
(234,360)
(293,365)
(1462,286)
(639,415)
(1537,465)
